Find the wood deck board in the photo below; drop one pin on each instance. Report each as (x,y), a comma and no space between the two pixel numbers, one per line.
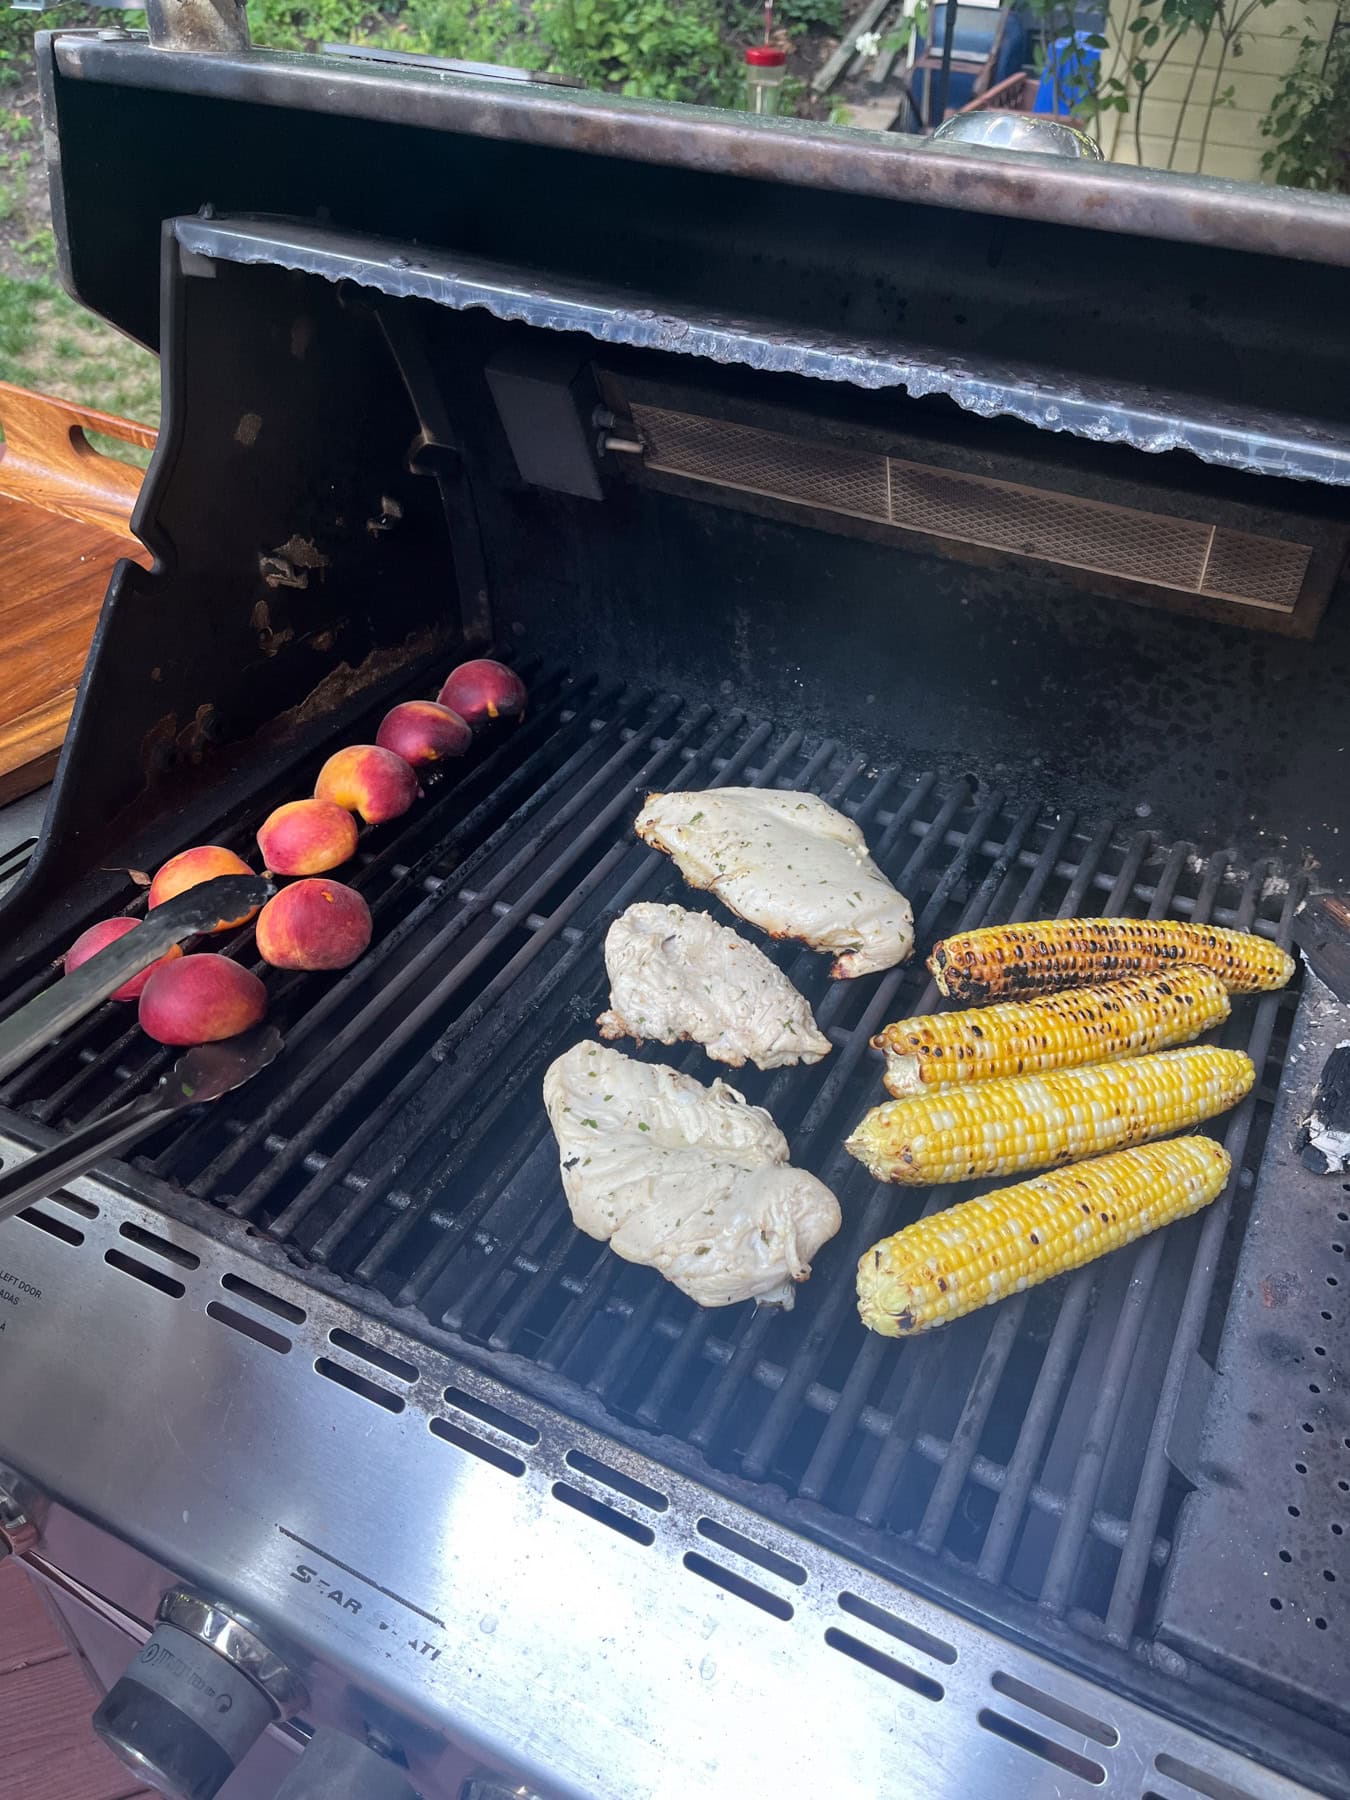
(49,1751)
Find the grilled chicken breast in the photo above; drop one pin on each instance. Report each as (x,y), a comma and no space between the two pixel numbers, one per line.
(790,864)
(675,974)
(687,1179)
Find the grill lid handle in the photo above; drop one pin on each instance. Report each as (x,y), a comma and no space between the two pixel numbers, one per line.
(998,129)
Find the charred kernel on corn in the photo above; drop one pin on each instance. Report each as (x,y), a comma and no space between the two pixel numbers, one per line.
(1053,1031)
(1035,1121)
(952,1262)
(998,962)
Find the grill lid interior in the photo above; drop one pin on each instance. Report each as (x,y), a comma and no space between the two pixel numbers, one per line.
(1154,548)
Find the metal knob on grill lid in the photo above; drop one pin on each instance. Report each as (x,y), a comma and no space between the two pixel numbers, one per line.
(998,130)
(202,1690)
(337,1767)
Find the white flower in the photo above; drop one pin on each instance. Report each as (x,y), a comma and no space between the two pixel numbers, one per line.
(867,43)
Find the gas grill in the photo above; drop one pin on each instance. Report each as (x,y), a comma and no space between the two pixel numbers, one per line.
(981,496)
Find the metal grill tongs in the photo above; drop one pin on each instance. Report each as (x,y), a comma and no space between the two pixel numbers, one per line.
(203,1073)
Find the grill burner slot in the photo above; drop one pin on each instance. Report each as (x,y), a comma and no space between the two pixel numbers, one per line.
(732,1583)
(1058,1710)
(283,1309)
(603,1513)
(476,1446)
(871,1658)
(158,1246)
(139,1271)
(359,1384)
(751,1551)
(56,1228)
(492,1415)
(896,1628)
(1197,1780)
(372,1354)
(84,1209)
(1046,1748)
(249,1328)
(626,1485)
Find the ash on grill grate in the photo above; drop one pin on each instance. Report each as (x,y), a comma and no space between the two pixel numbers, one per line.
(402,1142)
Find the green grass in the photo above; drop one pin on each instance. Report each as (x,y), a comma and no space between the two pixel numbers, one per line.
(50,344)
(19,302)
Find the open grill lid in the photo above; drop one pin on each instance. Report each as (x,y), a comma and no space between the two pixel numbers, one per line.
(849,257)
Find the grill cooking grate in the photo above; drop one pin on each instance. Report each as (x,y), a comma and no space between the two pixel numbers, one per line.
(401,1141)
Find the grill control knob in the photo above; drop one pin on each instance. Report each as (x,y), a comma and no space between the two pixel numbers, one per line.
(335,1767)
(201,1692)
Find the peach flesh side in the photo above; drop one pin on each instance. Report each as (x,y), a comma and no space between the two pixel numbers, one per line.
(368,780)
(422,731)
(482,691)
(199,999)
(314,925)
(307,837)
(202,863)
(97,938)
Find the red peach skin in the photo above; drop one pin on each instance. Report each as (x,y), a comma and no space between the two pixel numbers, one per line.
(202,863)
(314,925)
(482,691)
(201,998)
(307,837)
(97,938)
(422,732)
(368,780)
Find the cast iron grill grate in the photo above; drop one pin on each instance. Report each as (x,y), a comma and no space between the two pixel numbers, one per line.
(400,1141)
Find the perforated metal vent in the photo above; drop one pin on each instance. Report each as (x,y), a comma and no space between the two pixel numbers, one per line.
(1185,555)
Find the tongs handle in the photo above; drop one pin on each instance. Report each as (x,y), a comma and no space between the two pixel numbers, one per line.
(51,1169)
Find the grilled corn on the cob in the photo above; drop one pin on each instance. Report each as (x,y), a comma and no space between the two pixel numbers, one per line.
(1054,1031)
(999,961)
(983,1250)
(1035,1121)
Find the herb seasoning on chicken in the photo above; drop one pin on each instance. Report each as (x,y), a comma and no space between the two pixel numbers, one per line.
(790,864)
(685,1178)
(675,974)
